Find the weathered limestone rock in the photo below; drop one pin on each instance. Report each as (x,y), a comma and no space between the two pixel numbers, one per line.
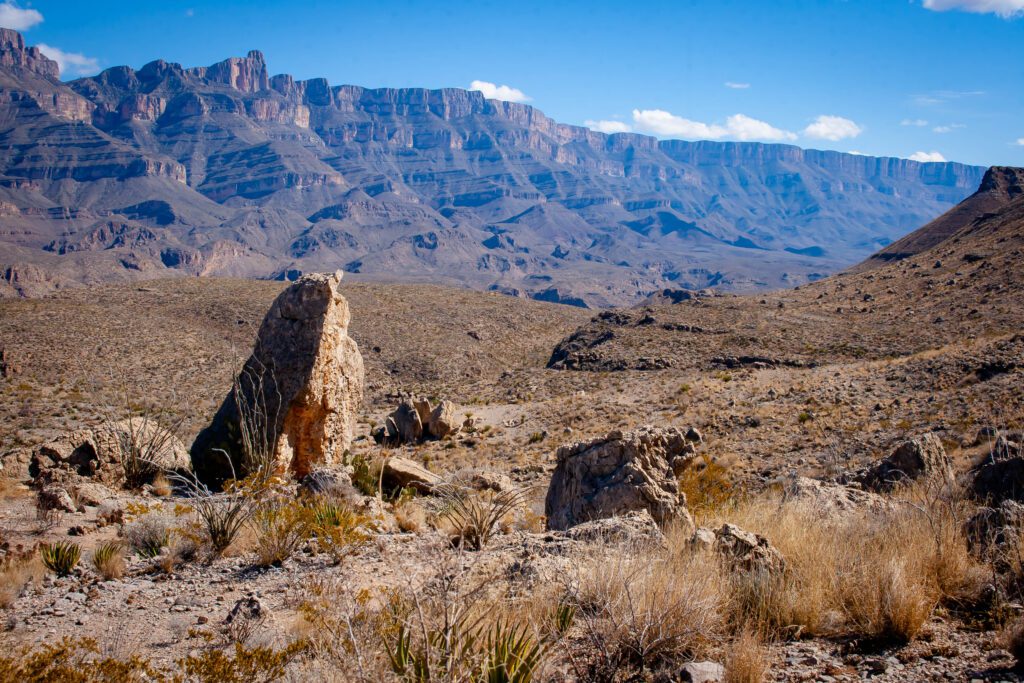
(833,499)
(443,420)
(298,392)
(1000,476)
(402,473)
(414,420)
(407,419)
(922,458)
(54,497)
(742,549)
(95,454)
(619,473)
(702,672)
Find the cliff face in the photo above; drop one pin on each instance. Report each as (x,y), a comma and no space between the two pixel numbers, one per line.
(439,185)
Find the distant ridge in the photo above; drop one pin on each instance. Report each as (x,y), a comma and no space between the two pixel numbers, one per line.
(226,170)
(1001,186)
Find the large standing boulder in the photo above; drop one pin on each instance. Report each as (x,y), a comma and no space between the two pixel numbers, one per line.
(298,393)
(619,473)
(914,459)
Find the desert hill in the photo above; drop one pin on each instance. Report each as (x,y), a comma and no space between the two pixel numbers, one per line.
(225,170)
(921,355)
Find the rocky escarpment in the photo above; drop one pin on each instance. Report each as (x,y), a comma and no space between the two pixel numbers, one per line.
(294,402)
(442,185)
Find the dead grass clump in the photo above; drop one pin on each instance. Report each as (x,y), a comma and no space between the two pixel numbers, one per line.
(875,574)
(746,659)
(641,613)
(17,570)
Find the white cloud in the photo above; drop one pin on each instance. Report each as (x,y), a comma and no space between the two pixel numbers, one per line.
(12,16)
(737,127)
(608,126)
(190,13)
(943,96)
(71,63)
(857,153)
(1020,141)
(948,129)
(920,123)
(736,86)
(745,128)
(499,92)
(832,128)
(1004,8)
(926,157)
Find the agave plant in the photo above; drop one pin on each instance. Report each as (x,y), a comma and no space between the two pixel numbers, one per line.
(60,557)
(108,559)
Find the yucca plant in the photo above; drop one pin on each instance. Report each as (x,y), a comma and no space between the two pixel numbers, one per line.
(108,559)
(60,557)
(475,517)
(512,654)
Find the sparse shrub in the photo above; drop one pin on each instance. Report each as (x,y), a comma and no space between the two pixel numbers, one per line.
(60,557)
(148,534)
(108,559)
(339,530)
(141,441)
(366,475)
(280,527)
(536,437)
(262,664)
(804,417)
(707,485)
(475,516)
(74,660)
(222,514)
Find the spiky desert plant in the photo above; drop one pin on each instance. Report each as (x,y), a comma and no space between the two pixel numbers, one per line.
(108,559)
(474,516)
(223,513)
(338,529)
(281,526)
(60,557)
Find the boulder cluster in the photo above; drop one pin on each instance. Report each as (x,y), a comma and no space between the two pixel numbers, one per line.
(415,420)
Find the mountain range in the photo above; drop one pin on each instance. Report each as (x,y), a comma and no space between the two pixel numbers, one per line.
(226,170)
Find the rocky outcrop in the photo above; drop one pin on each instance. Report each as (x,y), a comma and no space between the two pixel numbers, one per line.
(95,454)
(1000,476)
(743,550)
(992,528)
(298,392)
(619,473)
(14,54)
(922,458)
(414,420)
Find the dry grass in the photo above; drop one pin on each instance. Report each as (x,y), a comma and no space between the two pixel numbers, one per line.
(639,612)
(16,572)
(746,659)
(871,574)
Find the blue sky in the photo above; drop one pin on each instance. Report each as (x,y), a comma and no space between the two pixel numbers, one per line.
(928,79)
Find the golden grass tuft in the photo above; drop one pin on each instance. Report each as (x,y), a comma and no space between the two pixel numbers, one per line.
(747,659)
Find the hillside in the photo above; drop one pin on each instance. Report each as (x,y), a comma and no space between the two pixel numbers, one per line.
(225,170)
